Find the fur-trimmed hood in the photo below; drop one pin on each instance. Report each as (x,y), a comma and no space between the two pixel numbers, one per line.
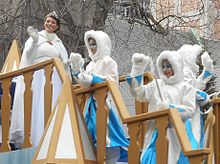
(189,54)
(177,65)
(103,42)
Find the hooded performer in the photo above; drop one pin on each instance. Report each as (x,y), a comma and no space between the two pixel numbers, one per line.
(173,92)
(40,46)
(189,53)
(101,68)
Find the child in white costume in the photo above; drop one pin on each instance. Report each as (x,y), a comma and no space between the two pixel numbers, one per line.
(40,46)
(101,68)
(175,93)
(189,54)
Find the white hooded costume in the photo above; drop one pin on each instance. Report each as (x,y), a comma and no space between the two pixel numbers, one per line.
(189,54)
(101,68)
(175,92)
(47,47)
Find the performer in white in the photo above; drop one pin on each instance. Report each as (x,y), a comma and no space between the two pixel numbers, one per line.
(190,54)
(101,68)
(39,47)
(168,92)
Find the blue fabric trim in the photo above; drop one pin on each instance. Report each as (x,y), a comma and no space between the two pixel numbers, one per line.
(149,156)
(181,110)
(76,74)
(207,74)
(182,159)
(201,95)
(97,79)
(90,119)
(172,106)
(190,135)
(123,155)
(139,78)
(202,131)
(116,134)
(129,79)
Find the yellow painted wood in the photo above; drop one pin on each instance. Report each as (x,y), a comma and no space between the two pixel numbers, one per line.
(13,58)
(28,77)
(216,128)
(5,109)
(162,151)
(101,124)
(134,147)
(48,92)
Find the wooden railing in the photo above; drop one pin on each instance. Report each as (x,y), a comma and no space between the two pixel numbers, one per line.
(216,129)
(6,98)
(100,91)
(162,118)
(140,107)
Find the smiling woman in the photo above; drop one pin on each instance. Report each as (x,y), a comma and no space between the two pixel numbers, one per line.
(52,22)
(40,46)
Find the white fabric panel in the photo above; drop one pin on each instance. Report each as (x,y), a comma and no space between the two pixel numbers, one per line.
(89,154)
(66,146)
(14,66)
(45,145)
(5,68)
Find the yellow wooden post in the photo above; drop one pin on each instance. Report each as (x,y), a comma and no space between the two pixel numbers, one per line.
(216,106)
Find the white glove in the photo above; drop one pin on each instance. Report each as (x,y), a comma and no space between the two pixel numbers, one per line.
(140,61)
(207,62)
(163,105)
(33,33)
(66,62)
(76,62)
(85,79)
(196,50)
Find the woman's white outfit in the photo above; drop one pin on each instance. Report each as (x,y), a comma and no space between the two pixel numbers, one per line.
(101,68)
(48,46)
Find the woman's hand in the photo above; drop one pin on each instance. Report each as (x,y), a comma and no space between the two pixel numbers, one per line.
(33,33)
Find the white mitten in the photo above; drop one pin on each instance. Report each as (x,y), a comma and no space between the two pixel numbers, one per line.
(66,63)
(196,50)
(207,62)
(76,62)
(140,61)
(85,79)
(163,105)
(33,33)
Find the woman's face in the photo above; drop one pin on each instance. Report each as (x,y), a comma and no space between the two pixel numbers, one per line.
(167,68)
(93,46)
(50,25)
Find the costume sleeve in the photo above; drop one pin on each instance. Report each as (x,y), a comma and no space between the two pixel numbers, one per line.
(140,92)
(187,106)
(203,79)
(27,53)
(111,70)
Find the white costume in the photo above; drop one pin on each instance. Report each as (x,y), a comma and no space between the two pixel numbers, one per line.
(189,54)
(101,68)
(175,92)
(47,47)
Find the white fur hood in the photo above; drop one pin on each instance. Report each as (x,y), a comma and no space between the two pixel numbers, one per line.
(177,64)
(103,42)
